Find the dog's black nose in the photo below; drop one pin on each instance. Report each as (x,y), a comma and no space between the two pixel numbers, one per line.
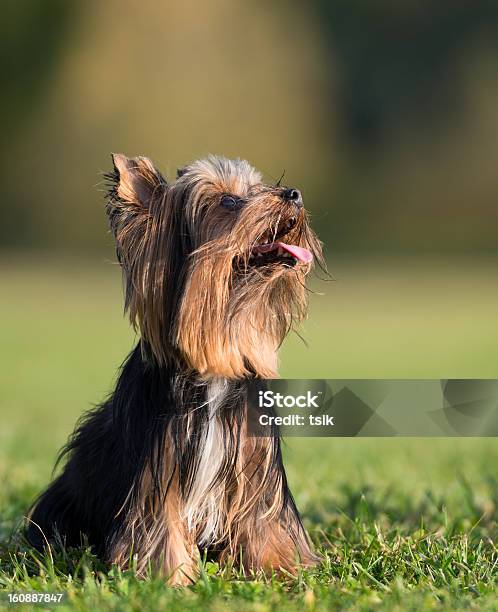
(294,196)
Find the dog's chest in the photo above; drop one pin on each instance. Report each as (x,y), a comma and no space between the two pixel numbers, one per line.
(204,507)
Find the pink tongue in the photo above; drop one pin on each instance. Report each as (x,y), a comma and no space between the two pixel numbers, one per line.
(298,252)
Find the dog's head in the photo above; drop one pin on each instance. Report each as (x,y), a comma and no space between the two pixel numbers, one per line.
(214,262)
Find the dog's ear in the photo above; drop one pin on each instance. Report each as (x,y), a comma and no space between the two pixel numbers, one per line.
(133,185)
(135,181)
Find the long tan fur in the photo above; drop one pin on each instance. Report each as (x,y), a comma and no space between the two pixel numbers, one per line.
(199,303)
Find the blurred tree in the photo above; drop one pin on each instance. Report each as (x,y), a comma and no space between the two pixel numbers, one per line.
(399,60)
(32,37)
(31,40)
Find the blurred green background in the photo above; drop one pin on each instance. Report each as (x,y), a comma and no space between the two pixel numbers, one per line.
(384,114)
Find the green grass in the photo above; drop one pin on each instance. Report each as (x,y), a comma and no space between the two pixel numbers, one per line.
(401,523)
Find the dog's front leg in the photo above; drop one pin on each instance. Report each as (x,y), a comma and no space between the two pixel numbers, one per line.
(264,524)
(180,561)
(278,543)
(156,537)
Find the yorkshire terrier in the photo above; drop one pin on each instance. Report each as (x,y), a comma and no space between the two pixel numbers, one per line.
(165,469)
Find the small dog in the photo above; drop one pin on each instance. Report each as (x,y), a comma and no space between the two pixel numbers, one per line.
(214,266)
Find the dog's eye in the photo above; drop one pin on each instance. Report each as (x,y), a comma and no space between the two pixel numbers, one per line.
(231,202)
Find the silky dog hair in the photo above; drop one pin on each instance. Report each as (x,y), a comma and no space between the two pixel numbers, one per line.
(166,468)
